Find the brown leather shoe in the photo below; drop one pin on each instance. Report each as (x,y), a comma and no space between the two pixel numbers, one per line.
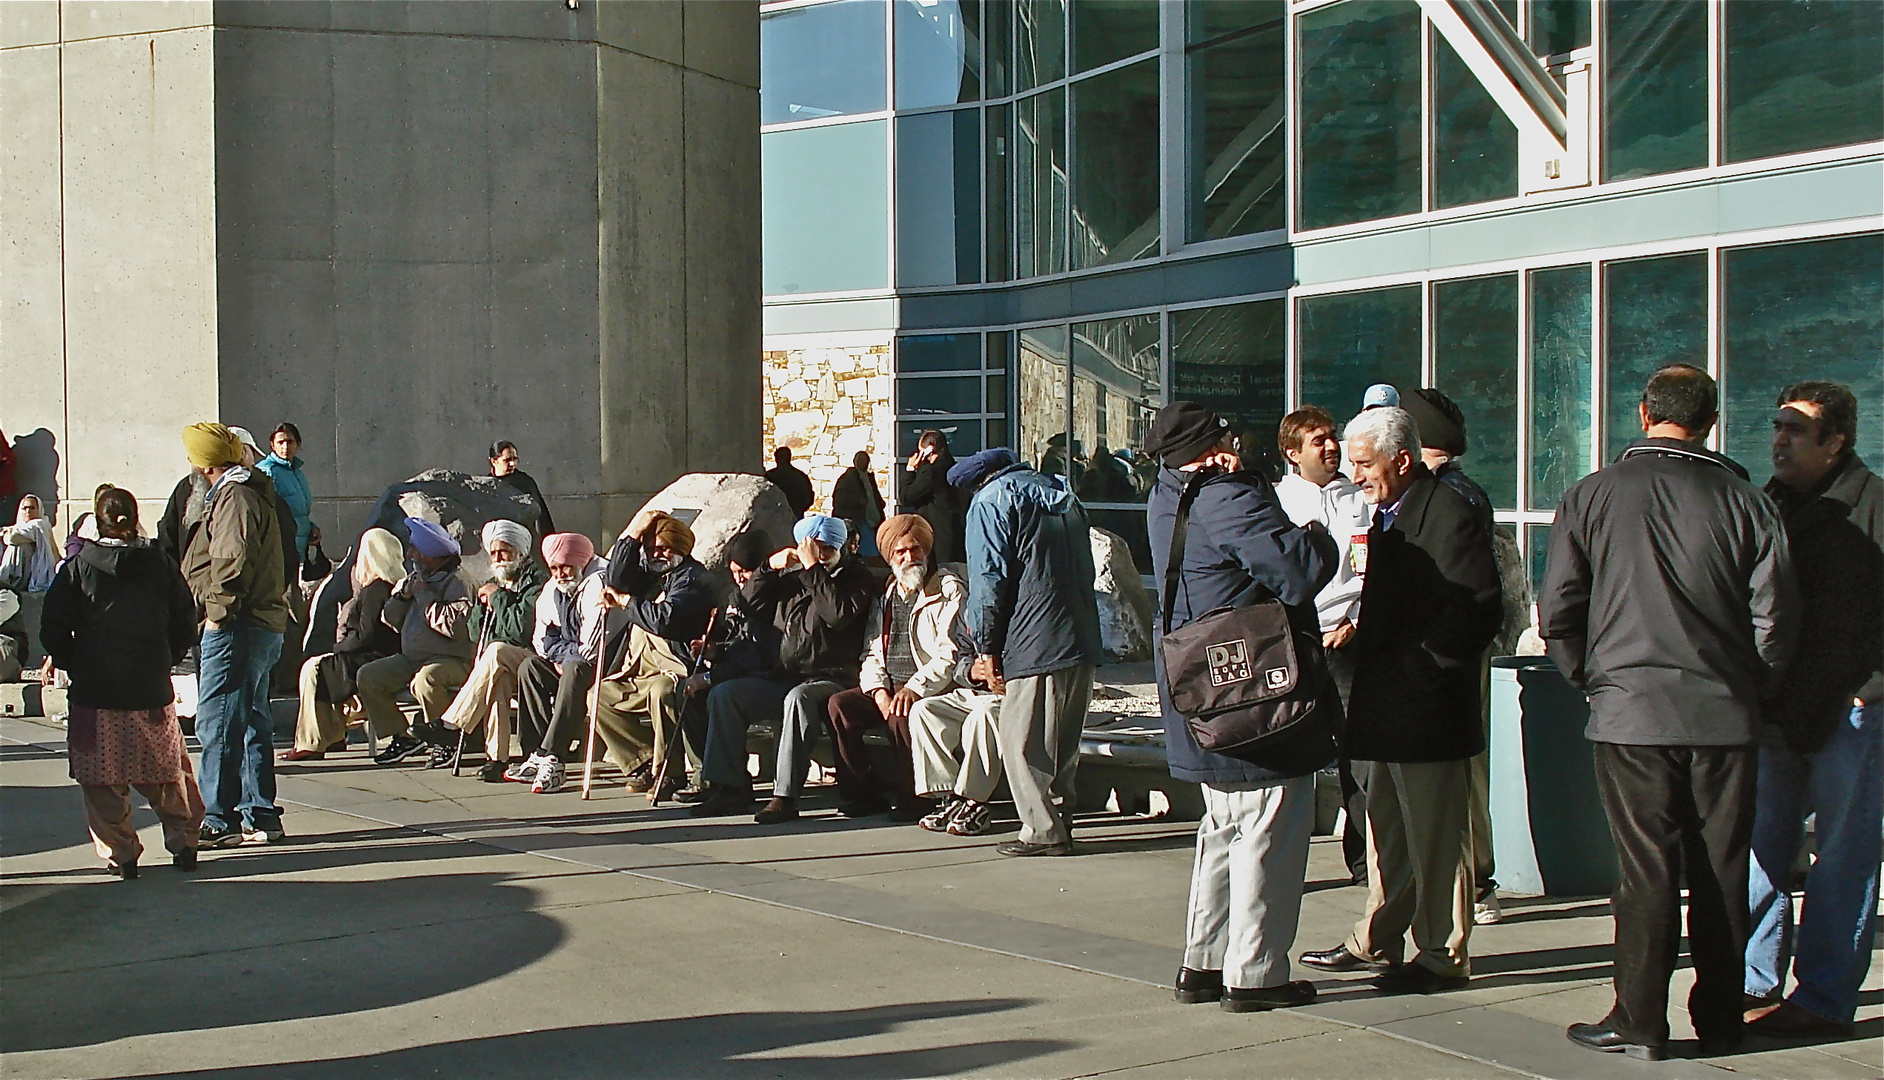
(1789,1021)
(304,755)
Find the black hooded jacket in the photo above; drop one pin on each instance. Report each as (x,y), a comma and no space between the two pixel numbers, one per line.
(820,615)
(116,618)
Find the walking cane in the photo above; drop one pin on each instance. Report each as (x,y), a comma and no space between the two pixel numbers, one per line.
(667,758)
(484,638)
(595,694)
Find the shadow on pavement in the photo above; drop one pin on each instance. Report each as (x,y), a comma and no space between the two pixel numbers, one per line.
(718,1045)
(36,819)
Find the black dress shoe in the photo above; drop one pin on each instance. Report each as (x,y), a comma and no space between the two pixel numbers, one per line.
(724,801)
(868,806)
(1237,999)
(1606,1039)
(1339,959)
(1196,987)
(1021,849)
(1417,979)
(184,860)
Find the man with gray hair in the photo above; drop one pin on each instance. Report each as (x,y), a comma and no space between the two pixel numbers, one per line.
(1430,605)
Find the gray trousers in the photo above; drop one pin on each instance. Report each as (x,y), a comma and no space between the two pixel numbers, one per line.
(1041,720)
(732,707)
(806,713)
(1246,882)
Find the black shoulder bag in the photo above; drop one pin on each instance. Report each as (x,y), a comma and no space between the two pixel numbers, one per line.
(1241,677)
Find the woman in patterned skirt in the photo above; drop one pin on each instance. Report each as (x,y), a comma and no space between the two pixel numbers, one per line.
(117,617)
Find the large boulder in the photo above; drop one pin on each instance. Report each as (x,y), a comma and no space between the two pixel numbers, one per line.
(1125,608)
(720,506)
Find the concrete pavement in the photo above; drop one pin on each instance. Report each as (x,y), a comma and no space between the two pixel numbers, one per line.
(420,925)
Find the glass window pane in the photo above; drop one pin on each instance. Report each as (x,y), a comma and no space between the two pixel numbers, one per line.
(1043,398)
(947,394)
(1560,382)
(1559,26)
(1537,552)
(938,52)
(1000,349)
(826,205)
(998,46)
(1475,145)
(996,394)
(1208,20)
(1360,111)
(825,60)
(1231,359)
(1115,166)
(1105,31)
(939,352)
(1039,42)
(1655,87)
(1811,310)
(1654,314)
(1237,139)
(938,198)
(1040,184)
(999,242)
(964,437)
(1349,341)
(1475,361)
(1118,385)
(1803,75)
(996,432)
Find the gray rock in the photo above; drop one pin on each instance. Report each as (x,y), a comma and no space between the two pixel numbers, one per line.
(1125,607)
(720,506)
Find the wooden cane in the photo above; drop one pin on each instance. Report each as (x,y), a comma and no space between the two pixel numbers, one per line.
(667,757)
(595,693)
(484,638)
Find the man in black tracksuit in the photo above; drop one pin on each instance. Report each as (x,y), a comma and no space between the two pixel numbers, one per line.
(1669,599)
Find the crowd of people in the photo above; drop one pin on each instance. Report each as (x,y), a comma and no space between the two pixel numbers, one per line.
(1730,641)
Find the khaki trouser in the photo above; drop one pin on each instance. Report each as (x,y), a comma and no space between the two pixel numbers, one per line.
(956,745)
(485,699)
(318,724)
(637,707)
(179,806)
(1418,842)
(433,685)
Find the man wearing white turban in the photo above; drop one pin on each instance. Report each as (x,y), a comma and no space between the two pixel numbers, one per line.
(502,622)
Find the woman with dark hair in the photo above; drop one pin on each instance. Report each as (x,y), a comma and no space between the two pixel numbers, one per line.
(283,466)
(504,458)
(928,493)
(117,617)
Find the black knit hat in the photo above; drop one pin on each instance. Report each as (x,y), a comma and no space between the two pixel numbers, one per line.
(749,549)
(1441,423)
(1183,430)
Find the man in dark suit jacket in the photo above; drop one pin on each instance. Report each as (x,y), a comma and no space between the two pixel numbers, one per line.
(1430,607)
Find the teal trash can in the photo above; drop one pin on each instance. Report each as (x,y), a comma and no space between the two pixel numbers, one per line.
(1549,834)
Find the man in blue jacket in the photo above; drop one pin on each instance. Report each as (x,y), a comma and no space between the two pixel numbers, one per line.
(1252,844)
(1032,611)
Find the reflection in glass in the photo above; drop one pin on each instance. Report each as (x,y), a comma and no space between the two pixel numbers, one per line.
(938,198)
(826,205)
(1117,389)
(1359,71)
(1559,26)
(1042,397)
(999,243)
(1000,349)
(944,394)
(1040,184)
(1208,20)
(1237,139)
(1560,382)
(964,436)
(1475,362)
(1129,525)
(1106,31)
(938,352)
(1655,87)
(825,60)
(938,52)
(1115,166)
(1537,552)
(996,394)
(1812,310)
(1039,42)
(1231,358)
(998,46)
(1475,145)
(1654,314)
(1802,76)
(996,432)
(1349,341)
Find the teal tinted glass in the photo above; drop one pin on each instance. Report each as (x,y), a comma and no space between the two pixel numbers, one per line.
(1654,314)
(1118,385)
(1537,553)
(1039,42)
(1475,146)
(1107,31)
(1208,20)
(1231,358)
(1237,137)
(826,205)
(1559,26)
(940,395)
(1803,75)
(1115,166)
(1042,398)
(1040,184)
(939,352)
(1560,382)
(1812,310)
(1349,341)
(938,198)
(1359,70)
(823,60)
(1655,87)
(1475,362)
(938,52)
(997,46)
(999,241)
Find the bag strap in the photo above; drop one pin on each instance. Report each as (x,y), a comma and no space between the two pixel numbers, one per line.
(1174,567)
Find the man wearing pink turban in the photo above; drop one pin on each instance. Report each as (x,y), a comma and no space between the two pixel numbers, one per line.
(553,686)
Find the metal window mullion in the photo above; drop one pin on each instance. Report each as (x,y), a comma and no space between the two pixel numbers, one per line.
(1716,80)
(1291,133)
(1716,316)
(1291,356)
(1524,390)
(1174,117)
(1428,111)
(1598,363)
(1429,312)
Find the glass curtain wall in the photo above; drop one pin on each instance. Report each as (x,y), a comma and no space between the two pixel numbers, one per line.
(1237,138)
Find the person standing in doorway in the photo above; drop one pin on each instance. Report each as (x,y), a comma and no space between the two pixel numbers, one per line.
(928,493)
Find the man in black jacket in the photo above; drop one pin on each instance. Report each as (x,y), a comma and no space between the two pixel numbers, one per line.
(1821,748)
(1430,606)
(1668,598)
(791,480)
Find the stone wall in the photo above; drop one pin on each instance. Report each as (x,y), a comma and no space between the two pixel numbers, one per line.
(828,403)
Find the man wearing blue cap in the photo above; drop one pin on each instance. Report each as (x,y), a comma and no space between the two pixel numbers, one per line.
(431,609)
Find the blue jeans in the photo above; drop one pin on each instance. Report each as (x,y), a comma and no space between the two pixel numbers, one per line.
(235,726)
(1831,950)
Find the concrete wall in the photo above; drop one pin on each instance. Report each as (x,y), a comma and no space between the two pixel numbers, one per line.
(410,228)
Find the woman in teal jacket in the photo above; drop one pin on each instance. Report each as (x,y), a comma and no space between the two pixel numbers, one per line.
(283,466)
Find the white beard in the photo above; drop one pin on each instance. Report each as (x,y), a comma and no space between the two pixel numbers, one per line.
(567,588)
(910,578)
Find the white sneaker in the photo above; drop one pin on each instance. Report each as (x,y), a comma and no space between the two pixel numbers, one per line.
(523,772)
(549,778)
(263,836)
(1485,910)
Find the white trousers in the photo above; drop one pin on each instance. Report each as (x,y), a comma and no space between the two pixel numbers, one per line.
(1246,883)
(485,697)
(956,748)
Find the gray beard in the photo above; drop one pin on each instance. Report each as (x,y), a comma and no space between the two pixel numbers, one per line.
(910,578)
